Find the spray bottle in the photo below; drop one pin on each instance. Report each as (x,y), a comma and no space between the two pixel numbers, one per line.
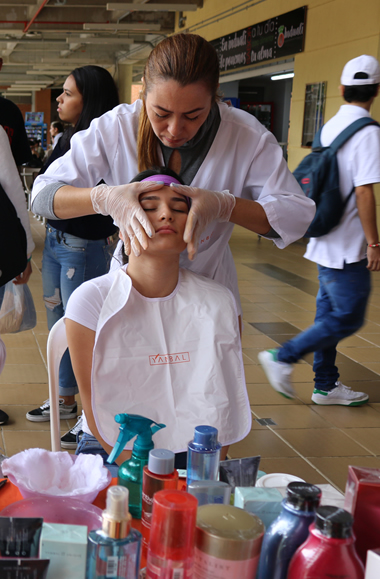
(130,472)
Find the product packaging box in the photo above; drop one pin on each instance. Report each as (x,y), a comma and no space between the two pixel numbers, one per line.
(66,548)
(372,567)
(362,500)
(264,503)
(23,568)
(20,537)
(241,472)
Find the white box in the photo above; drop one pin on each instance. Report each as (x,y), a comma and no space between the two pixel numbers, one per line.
(372,567)
(66,548)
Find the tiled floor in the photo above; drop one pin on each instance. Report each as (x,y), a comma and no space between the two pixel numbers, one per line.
(278,289)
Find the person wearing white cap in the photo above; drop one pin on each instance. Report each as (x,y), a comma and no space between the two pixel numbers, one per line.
(347,254)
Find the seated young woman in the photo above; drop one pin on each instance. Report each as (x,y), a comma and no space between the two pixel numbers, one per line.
(156,340)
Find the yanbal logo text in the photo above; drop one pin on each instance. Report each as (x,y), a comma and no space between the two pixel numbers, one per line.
(169,359)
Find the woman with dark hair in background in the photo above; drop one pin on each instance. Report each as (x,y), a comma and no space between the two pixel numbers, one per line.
(56,132)
(75,249)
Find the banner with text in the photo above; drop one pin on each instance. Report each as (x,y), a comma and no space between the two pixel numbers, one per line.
(268,40)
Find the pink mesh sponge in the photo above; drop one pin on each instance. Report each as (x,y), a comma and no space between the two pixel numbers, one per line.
(42,473)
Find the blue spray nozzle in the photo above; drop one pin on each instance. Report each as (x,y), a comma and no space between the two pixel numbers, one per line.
(130,426)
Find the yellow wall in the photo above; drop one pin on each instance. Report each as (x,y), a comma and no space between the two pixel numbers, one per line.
(124,82)
(336,31)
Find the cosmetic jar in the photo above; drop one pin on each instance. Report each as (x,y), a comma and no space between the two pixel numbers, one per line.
(227,542)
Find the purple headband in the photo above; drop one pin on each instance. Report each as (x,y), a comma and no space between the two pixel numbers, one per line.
(167,179)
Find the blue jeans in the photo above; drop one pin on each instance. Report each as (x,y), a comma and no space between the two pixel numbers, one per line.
(91,446)
(341,304)
(68,261)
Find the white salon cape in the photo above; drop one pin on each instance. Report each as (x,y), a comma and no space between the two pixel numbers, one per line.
(244,158)
(176,360)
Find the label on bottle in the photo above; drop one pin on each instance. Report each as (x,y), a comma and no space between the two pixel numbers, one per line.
(112,566)
(160,568)
(206,566)
(120,566)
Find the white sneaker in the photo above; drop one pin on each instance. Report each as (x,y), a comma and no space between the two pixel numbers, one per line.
(340,395)
(278,373)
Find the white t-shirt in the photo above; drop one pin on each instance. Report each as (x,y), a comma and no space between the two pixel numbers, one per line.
(359,164)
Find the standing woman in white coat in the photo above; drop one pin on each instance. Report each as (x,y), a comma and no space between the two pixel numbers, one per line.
(180,123)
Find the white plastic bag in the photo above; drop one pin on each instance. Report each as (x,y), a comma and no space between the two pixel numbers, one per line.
(17,311)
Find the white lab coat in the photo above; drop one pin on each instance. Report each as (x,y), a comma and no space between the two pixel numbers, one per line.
(244,158)
(176,360)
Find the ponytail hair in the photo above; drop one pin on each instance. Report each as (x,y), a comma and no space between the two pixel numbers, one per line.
(186,59)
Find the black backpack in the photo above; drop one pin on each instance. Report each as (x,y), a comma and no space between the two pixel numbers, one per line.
(318,175)
(13,244)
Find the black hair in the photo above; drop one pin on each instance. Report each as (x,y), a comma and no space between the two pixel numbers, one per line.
(157,171)
(57,125)
(99,94)
(359,93)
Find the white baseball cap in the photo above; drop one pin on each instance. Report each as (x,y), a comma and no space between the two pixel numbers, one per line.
(368,65)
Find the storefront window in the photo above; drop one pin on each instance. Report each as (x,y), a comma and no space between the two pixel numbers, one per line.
(315,98)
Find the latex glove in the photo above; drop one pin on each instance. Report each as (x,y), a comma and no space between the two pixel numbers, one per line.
(206,206)
(122,203)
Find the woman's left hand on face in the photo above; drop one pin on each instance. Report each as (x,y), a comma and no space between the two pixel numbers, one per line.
(206,206)
(24,276)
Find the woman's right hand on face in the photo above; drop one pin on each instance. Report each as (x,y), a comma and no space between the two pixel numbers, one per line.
(121,202)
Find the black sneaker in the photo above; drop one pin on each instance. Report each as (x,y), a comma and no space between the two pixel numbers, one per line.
(43,412)
(3,417)
(69,439)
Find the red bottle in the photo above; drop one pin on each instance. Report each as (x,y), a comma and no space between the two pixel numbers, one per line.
(172,535)
(329,551)
(157,475)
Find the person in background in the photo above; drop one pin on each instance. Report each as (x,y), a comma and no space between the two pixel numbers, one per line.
(347,255)
(13,123)
(56,132)
(40,151)
(35,161)
(148,306)
(76,249)
(11,184)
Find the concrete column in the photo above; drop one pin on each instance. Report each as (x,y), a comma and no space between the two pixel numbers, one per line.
(124,82)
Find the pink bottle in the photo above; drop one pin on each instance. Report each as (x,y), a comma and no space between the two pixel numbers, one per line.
(329,551)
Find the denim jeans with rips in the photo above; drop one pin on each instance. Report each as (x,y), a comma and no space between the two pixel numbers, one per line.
(341,304)
(67,262)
